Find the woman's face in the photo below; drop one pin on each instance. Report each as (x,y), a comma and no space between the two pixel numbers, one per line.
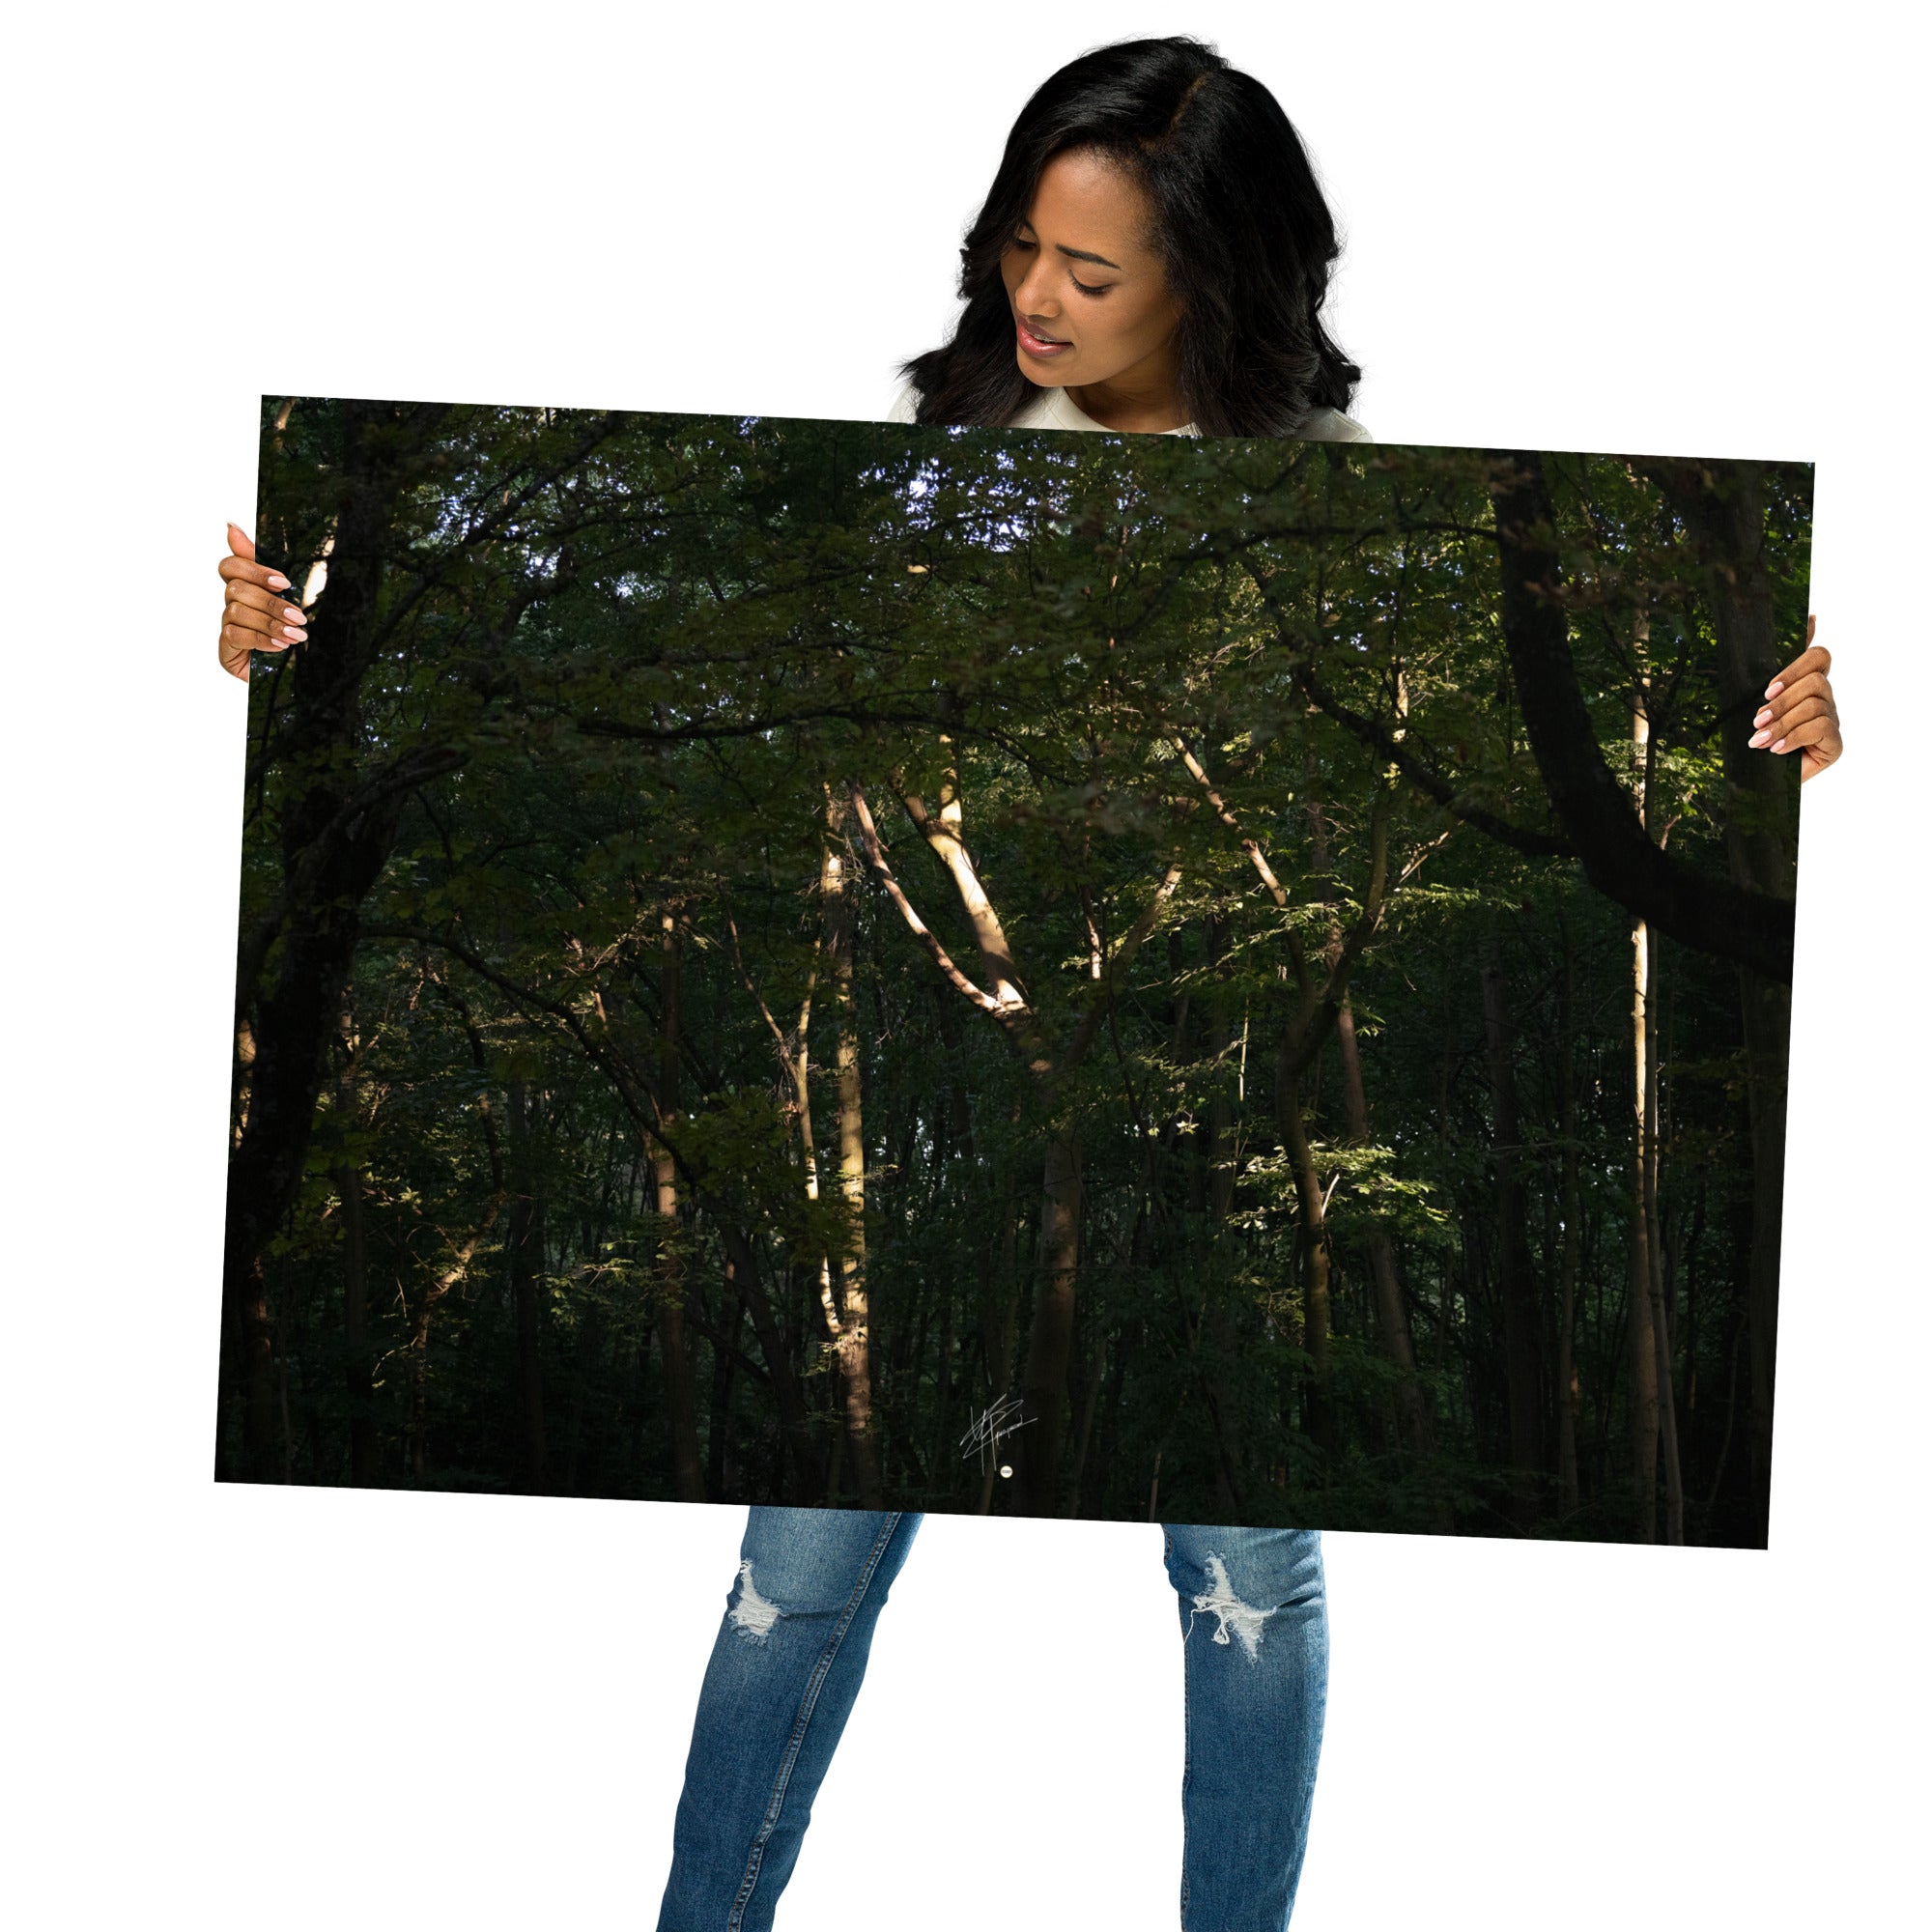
(1091,301)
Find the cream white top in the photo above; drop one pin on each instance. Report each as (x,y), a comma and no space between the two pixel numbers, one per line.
(1055,409)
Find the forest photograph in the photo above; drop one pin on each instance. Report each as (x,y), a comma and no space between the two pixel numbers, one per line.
(1152,977)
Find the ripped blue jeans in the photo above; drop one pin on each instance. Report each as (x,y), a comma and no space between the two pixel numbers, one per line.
(786,1669)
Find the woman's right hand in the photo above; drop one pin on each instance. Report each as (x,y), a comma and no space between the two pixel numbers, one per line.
(253,617)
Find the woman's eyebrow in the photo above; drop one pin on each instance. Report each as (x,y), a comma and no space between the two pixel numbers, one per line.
(1076,254)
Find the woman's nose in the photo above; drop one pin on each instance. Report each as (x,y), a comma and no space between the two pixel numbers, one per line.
(1035,295)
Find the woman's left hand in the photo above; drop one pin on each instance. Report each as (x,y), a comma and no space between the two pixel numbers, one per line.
(1798,713)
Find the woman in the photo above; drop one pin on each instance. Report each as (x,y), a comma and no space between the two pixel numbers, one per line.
(1153,256)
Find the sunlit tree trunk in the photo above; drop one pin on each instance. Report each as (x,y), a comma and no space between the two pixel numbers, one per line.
(1643,1354)
(855,1343)
(1049,1068)
(795,1056)
(1655,1417)
(831,898)
(1043,1384)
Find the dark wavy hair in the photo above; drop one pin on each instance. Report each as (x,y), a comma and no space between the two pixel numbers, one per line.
(1242,231)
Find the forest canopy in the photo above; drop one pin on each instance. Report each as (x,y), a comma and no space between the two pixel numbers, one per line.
(854,964)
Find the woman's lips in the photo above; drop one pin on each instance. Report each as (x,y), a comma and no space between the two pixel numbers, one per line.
(1041,346)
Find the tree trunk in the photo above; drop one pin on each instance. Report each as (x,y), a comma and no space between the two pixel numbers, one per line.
(1413,1421)
(357,1368)
(432,1299)
(719,1478)
(680,1376)
(1767,1029)
(999,1317)
(1643,1349)
(1572,1235)
(331,856)
(794,1415)
(1089,1402)
(527,1266)
(1742,923)
(1050,1338)
(1761,843)
(1652,1245)
(1412,1411)
(1523,1336)
(1656,1418)
(855,1339)
(1312,1230)
(1218,1321)
(1049,1070)
(248,1350)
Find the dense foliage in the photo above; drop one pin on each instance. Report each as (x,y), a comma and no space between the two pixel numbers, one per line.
(766,942)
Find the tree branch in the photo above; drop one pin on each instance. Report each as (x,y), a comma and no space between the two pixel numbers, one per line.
(1750,928)
(875,857)
(1136,936)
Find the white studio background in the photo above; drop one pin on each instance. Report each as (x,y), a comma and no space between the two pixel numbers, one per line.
(1684,228)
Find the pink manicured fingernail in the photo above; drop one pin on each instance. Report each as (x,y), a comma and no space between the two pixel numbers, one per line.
(294,634)
(1762,738)
(1773,688)
(277,581)
(1763,717)
(1780,746)
(295,616)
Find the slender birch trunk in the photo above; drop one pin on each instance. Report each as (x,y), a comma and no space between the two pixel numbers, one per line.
(1656,1419)
(1643,1351)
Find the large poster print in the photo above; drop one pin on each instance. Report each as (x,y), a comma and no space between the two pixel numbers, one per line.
(1127,977)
